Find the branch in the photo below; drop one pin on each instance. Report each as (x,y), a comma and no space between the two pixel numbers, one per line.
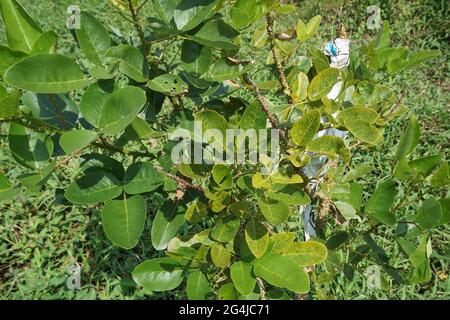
(276,57)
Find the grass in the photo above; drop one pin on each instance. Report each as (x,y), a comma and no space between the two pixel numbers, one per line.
(40,239)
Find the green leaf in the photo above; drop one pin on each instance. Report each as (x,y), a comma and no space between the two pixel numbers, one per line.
(322,83)
(281,241)
(379,204)
(307,253)
(220,255)
(7,190)
(93,188)
(330,146)
(168,84)
(242,277)
(365,132)
(347,210)
(274,211)
(133,63)
(228,292)
(292,195)
(221,71)
(142,177)
(46,73)
(409,139)
(123,221)
(29,148)
(46,43)
(383,36)
(212,120)
(223,176)
(196,212)
(299,87)
(32,181)
(226,229)
(253,118)
(197,286)
(190,13)
(306,128)
(441,176)
(359,171)
(21,30)
(306,31)
(9,104)
(313,25)
(8,58)
(162,274)
(337,239)
(420,260)
(109,109)
(217,34)
(196,58)
(76,140)
(93,39)
(402,170)
(430,214)
(94,100)
(282,272)
(426,165)
(358,121)
(257,238)
(140,129)
(422,56)
(243,13)
(167,222)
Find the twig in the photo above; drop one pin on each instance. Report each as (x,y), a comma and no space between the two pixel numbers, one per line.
(180,181)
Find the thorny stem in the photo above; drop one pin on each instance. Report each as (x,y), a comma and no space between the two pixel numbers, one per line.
(276,57)
(262,289)
(261,100)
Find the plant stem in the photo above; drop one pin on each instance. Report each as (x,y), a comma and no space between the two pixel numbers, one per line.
(138,26)
(261,100)
(276,57)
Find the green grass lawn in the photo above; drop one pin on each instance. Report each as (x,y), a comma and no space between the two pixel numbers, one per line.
(40,239)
